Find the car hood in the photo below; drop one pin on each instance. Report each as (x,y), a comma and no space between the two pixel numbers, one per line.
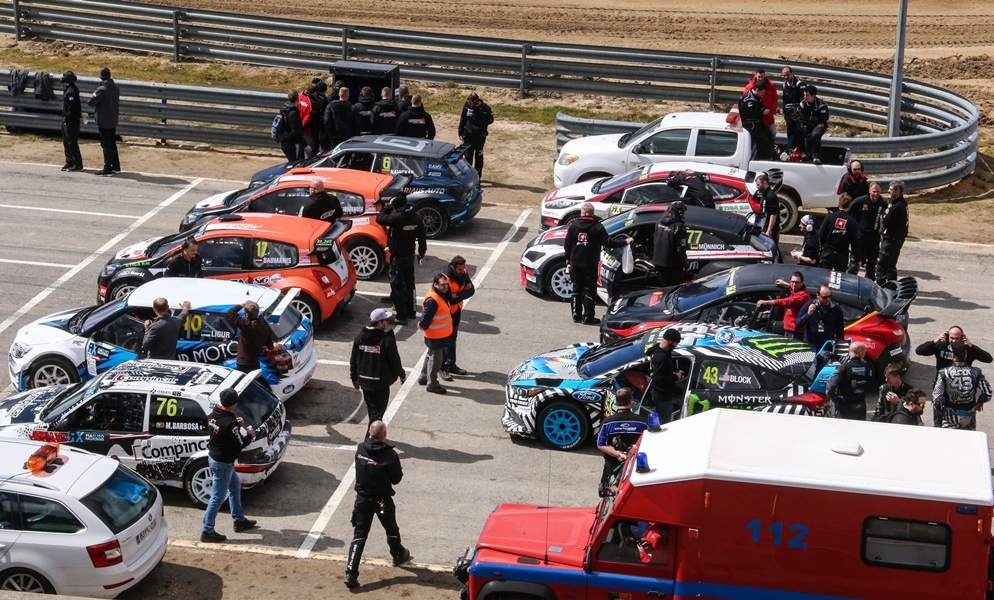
(552,237)
(53,329)
(23,408)
(550,368)
(599,144)
(577,191)
(135,251)
(215,201)
(559,535)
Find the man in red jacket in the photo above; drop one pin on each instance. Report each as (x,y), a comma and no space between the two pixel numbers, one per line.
(760,80)
(796,298)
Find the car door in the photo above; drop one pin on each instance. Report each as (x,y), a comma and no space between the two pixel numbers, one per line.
(270,261)
(663,145)
(120,340)
(613,281)
(109,423)
(224,257)
(719,382)
(9,527)
(626,564)
(49,536)
(208,337)
(177,429)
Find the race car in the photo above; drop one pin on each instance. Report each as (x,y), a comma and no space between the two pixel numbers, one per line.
(876,316)
(357,192)
(444,188)
(730,188)
(718,241)
(561,397)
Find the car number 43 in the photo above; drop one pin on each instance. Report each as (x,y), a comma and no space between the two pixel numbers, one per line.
(144,533)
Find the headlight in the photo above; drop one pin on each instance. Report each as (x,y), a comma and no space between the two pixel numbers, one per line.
(110,269)
(556,204)
(192,218)
(567,159)
(20,349)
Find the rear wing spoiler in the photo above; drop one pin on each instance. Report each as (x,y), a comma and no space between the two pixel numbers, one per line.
(331,235)
(235,380)
(904,291)
(456,154)
(275,314)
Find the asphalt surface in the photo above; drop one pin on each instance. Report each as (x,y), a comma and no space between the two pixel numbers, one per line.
(57,230)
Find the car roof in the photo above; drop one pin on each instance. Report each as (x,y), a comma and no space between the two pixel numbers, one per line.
(711,120)
(362,182)
(827,454)
(696,216)
(760,348)
(290,229)
(202,293)
(395,144)
(662,169)
(191,380)
(67,478)
(762,276)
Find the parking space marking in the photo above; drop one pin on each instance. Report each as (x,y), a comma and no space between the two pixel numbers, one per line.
(458,245)
(86,261)
(342,363)
(320,445)
(73,212)
(349,478)
(34,263)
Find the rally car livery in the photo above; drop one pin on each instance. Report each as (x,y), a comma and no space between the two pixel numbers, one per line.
(562,396)
(152,416)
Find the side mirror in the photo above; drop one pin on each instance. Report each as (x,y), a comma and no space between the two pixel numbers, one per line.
(98,336)
(638,149)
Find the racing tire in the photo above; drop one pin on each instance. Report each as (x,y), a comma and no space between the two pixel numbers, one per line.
(569,219)
(308,308)
(558,284)
(789,213)
(197,482)
(51,370)
(435,219)
(367,257)
(562,425)
(122,288)
(25,580)
(589,176)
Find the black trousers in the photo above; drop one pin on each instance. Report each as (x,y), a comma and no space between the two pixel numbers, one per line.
(449,352)
(812,141)
(362,522)
(292,150)
(795,127)
(108,143)
(852,411)
(890,251)
(584,291)
(402,285)
(664,407)
(669,275)
(376,402)
(70,144)
(832,259)
(474,156)
(761,138)
(866,252)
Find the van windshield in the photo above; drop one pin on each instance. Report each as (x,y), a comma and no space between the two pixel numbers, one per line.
(121,500)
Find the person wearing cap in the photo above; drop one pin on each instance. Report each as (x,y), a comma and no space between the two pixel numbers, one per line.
(618,434)
(106,103)
(375,363)
(476,117)
(960,391)
(669,246)
(664,375)
(406,239)
(72,116)
(797,296)
(810,248)
(228,437)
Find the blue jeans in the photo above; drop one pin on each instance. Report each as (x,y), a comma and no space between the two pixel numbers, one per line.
(225,483)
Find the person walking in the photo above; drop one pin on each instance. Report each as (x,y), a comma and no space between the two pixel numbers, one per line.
(255,335)
(474,122)
(837,236)
(72,116)
(797,296)
(406,239)
(377,470)
(187,263)
(895,231)
(617,436)
(375,363)
(415,122)
(821,320)
(385,113)
(436,324)
(291,137)
(942,349)
(793,94)
(814,114)
(106,103)
(960,391)
(868,211)
(848,385)
(162,333)
(669,246)
(664,375)
(584,240)
(228,437)
(892,392)
(461,288)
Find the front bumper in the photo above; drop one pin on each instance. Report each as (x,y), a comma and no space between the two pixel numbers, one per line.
(530,279)
(519,414)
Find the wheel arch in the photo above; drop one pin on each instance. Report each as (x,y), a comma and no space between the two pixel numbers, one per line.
(526,590)
(308,288)
(592,174)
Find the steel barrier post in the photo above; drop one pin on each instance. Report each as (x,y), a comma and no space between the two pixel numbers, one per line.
(714,82)
(17,20)
(897,83)
(523,85)
(345,43)
(164,102)
(176,15)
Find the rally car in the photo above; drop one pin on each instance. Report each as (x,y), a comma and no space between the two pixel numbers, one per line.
(874,315)
(280,251)
(152,416)
(562,396)
(78,344)
(717,241)
(444,188)
(730,188)
(357,192)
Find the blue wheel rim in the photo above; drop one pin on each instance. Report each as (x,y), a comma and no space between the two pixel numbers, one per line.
(562,427)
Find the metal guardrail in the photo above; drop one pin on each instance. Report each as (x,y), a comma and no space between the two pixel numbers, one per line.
(941,125)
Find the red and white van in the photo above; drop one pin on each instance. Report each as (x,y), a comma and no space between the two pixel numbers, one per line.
(740,504)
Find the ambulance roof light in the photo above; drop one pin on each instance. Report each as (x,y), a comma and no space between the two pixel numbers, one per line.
(654,422)
(642,463)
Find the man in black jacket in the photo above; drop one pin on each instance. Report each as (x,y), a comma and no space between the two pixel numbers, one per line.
(385,113)
(476,117)
(664,375)
(228,437)
(837,235)
(821,319)
(377,470)
(942,349)
(321,205)
(768,217)
(752,111)
(106,103)
(415,122)
(187,263)
(364,110)
(375,363)
(584,240)
(341,120)
(792,94)
(291,137)
(911,409)
(618,434)
(669,246)
(814,114)
(255,335)
(696,184)
(405,231)
(895,231)
(854,183)
(868,211)
(850,383)
(72,115)
(162,333)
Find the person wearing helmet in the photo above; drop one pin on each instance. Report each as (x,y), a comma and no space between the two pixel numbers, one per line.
(72,115)
(669,248)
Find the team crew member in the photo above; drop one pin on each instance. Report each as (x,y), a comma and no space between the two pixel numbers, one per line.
(895,231)
(476,117)
(760,80)
(106,103)
(837,236)
(793,93)
(752,112)
(72,116)
(911,409)
(291,134)
(584,240)
(461,288)
(696,184)
(892,392)
(364,110)
(162,333)
(618,434)
(810,249)
(960,391)
(868,211)
(385,113)
(821,320)
(321,205)
(187,263)
(768,217)
(341,119)
(797,296)
(377,470)
(664,375)
(305,106)
(416,122)
(941,349)
(850,382)
(228,437)
(669,246)
(854,183)
(814,114)
(407,240)
(254,337)
(436,323)
(375,363)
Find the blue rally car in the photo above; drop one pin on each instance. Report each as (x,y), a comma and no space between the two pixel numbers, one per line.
(562,396)
(444,188)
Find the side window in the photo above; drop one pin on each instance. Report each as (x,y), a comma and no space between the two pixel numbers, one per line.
(176,416)
(206,326)
(262,204)
(735,314)
(7,511)
(359,161)
(650,192)
(391,164)
(125,331)
(273,255)
(775,381)
(720,375)
(290,201)
(904,544)
(671,141)
(223,253)
(721,191)
(716,143)
(41,514)
(112,411)
(637,542)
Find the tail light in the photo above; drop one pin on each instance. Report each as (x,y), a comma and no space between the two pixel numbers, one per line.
(105,555)
(322,279)
(813,401)
(886,329)
(550,221)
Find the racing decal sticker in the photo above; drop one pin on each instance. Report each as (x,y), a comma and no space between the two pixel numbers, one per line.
(777,347)
(835,280)
(587,396)
(167,448)
(723,337)
(360,221)
(267,279)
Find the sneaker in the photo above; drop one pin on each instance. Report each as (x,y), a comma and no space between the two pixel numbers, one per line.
(244,525)
(577,319)
(592,321)
(212,537)
(104,173)
(456,370)
(403,321)
(816,161)
(387,299)
(403,558)
(66,167)
(116,171)
(436,389)
(422,381)
(444,376)
(73,169)
(351,582)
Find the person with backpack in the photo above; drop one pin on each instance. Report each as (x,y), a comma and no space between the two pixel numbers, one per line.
(288,131)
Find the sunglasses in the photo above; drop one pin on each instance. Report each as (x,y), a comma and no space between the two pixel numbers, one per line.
(828,297)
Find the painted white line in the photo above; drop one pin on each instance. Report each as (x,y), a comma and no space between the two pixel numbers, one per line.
(458,245)
(342,363)
(72,212)
(967,244)
(320,445)
(86,261)
(240,184)
(317,530)
(365,293)
(33,263)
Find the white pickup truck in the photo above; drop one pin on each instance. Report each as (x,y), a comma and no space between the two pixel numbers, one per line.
(707,138)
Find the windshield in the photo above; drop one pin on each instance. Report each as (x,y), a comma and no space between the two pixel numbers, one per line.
(617,222)
(95,318)
(696,293)
(605,357)
(645,128)
(255,405)
(611,184)
(70,398)
(239,198)
(121,500)
(879,297)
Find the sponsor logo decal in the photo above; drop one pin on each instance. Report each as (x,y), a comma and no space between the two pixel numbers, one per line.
(587,396)
(777,346)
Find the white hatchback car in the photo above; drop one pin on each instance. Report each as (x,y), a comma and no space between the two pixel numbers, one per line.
(85,525)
